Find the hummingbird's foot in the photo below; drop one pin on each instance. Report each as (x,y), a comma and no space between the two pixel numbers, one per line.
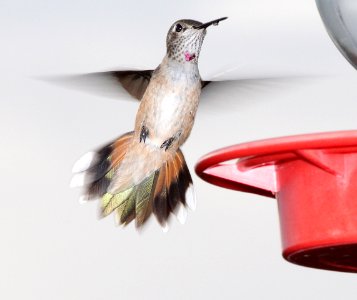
(144,133)
(167,143)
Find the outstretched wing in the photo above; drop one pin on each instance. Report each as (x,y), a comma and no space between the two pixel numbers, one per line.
(234,94)
(110,83)
(134,82)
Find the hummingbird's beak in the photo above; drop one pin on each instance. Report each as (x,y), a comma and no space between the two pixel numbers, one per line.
(214,22)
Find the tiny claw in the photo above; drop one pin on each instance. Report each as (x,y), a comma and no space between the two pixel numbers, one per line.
(167,143)
(144,133)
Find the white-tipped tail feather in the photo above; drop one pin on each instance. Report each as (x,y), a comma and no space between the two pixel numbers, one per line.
(181,213)
(78,180)
(191,197)
(84,162)
(83,199)
(165,228)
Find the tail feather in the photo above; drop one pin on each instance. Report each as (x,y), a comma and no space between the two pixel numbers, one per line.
(111,202)
(184,180)
(145,198)
(133,203)
(161,193)
(172,191)
(126,210)
(159,202)
(100,171)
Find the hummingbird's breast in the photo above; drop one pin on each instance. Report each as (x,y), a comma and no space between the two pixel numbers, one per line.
(168,110)
(169,105)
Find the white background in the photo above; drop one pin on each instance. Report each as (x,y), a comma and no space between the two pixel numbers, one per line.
(52,247)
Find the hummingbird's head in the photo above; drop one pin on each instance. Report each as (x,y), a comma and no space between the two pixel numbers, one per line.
(184,39)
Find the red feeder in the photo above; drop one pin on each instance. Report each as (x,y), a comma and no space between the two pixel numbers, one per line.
(314,179)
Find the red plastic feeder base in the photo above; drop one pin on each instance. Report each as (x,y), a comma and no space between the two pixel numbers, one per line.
(314,179)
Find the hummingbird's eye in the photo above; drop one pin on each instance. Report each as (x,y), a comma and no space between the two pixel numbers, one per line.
(178,27)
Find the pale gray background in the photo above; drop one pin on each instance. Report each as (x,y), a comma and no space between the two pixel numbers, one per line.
(54,248)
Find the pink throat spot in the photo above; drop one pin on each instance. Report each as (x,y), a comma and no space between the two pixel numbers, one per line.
(189,56)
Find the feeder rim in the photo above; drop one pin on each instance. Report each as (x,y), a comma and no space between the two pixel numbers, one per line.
(324,140)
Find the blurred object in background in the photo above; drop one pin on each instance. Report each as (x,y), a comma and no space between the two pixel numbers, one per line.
(340,19)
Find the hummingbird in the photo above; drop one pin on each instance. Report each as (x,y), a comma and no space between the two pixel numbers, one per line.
(143,172)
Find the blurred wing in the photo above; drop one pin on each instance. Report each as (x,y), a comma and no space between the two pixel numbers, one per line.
(134,82)
(113,84)
(233,94)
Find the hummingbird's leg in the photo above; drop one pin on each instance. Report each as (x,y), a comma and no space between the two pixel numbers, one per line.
(144,133)
(166,144)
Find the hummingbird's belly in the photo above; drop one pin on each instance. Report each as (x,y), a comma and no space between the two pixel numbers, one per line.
(169,113)
(172,117)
